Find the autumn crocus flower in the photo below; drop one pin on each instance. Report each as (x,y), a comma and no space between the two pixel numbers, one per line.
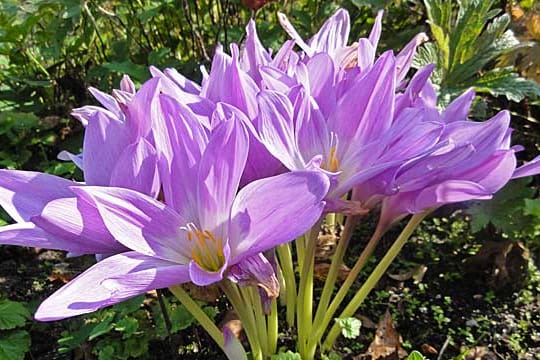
(475,162)
(216,230)
(349,131)
(119,150)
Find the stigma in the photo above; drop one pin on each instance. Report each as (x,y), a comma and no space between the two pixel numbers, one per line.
(206,249)
(331,162)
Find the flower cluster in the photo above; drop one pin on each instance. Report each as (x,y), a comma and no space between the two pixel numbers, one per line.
(187,182)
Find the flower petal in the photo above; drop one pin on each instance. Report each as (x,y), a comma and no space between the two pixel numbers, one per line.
(529,169)
(111,281)
(136,169)
(28,234)
(275,210)
(105,139)
(333,34)
(255,271)
(78,222)
(232,347)
(277,129)
(220,170)
(140,222)
(24,194)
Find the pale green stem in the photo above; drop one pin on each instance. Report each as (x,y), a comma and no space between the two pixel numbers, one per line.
(287,267)
(305,292)
(331,220)
(300,250)
(245,314)
(282,284)
(252,294)
(375,276)
(328,315)
(333,272)
(272,321)
(195,310)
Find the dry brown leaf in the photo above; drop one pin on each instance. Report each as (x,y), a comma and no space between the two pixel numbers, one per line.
(207,294)
(234,324)
(404,276)
(387,344)
(428,349)
(326,245)
(320,271)
(63,278)
(367,323)
(417,274)
(480,353)
(256,4)
(505,263)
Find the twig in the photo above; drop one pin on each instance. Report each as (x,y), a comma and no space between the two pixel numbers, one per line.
(443,349)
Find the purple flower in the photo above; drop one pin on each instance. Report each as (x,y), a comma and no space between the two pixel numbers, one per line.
(119,150)
(201,235)
(119,147)
(348,128)
(473,161)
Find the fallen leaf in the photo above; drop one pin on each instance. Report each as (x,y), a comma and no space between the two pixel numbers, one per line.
(367,322)
(387,344)
(63,278)
(428,349)
(232,322)
(480,353)
(256,4)
(207,294)
(404,276)
(504,263)
(320,271)
(326,244)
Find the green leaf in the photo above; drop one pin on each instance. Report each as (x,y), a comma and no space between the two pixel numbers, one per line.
(350,327)
(12,314)
(505,211)
(103,327)
(532,207)
(415,355)
(127,326)
(289,355)
(14,344)
(507,83)
(137,72)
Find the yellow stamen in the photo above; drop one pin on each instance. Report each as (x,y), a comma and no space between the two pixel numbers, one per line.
(206,250)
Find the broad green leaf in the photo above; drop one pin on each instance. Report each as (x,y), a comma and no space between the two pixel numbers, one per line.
(12,314)
(532,207)
(415,355)
(507,83)
(14,344)
(505,211)
(350,327)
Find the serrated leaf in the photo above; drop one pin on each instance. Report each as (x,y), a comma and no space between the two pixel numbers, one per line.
(12,314)
(14,344)
(507,83)
(505,211)
(350,327)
